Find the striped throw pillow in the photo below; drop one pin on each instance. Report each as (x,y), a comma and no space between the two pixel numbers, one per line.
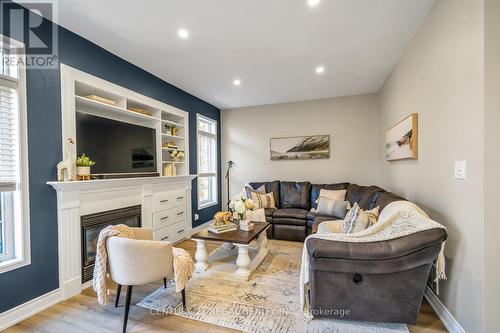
(261,200)
(330,207)
(357,219)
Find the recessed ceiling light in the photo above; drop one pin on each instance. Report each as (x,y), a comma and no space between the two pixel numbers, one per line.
(183,33)
(313,3)
(320,69)
(237,82)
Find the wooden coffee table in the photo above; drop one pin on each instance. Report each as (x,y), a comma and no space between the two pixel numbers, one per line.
(236,245)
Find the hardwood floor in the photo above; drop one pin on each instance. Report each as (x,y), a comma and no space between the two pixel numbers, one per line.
(82,313)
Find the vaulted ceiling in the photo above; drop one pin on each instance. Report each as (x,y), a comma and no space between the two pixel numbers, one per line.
(274,47)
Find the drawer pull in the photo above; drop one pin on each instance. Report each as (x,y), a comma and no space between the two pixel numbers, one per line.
(179,198)
(164,218)
(180,231)
(180,213)
(165,238)
(163,201)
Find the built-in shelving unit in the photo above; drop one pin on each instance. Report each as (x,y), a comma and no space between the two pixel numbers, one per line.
(97,97)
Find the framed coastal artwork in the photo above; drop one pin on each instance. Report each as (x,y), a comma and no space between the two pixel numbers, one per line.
(300,147)
(401,140)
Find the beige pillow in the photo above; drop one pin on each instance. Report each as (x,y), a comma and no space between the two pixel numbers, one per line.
(337,195)
(335,208)
(261,200)
(357,219)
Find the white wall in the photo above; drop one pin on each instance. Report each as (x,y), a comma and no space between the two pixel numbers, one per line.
(441,76)
(492,165)
(351,122)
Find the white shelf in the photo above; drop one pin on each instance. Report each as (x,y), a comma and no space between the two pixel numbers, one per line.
(171,123)
(95,108)
(173,162)
(165,148)
(172,136)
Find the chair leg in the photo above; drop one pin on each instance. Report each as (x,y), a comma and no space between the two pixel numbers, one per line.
(183,293)
(127,307)
(118,292)
(165,283)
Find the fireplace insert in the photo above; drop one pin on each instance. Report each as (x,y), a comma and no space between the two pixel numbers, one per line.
(92,225)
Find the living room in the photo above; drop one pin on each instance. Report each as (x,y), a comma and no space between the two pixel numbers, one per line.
(249,166)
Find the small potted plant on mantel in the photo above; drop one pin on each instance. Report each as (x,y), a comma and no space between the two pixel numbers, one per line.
(83,164)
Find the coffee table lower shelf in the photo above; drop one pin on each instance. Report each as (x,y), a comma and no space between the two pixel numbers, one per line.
(234,259)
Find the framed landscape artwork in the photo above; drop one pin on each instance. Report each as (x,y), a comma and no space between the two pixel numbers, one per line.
(300,147)
(401,140)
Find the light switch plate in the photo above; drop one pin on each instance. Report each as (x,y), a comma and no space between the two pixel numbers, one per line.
(460,169)
(196,217)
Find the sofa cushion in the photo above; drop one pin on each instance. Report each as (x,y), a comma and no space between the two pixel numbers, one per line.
(294,213)
(369,199)
(386,198)
(365,196)
(273,186)
(316,188)
(295,195)
(313,224)
(269,214)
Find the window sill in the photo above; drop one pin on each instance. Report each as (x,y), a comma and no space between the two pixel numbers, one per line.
(207,205)
(12,264)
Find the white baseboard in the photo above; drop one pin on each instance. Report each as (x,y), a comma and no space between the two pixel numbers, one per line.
(451,324)
(28,309)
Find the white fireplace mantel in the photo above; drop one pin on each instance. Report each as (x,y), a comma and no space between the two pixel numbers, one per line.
(86,185)
(78,198)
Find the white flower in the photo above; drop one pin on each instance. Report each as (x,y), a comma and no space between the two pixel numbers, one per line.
(249,204)
(231,204)
(239,207)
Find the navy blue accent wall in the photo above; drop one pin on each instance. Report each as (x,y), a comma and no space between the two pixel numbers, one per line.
(44,135)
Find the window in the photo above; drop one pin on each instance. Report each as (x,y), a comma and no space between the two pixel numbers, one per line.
(207,161)
(14,217)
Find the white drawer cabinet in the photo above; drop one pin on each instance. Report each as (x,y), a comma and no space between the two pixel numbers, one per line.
(171,233)
(167,200)
(168,217)
(171,218)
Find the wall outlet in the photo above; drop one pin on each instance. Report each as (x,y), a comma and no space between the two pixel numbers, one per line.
(460,169)
(196,217)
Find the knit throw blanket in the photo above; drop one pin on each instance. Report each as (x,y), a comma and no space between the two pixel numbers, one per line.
(182,262)
(101,258)
(397,219)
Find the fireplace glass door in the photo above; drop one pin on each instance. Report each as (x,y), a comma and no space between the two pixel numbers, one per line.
(93,224)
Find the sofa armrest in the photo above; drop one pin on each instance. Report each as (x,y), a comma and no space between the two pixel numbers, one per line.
(394,248)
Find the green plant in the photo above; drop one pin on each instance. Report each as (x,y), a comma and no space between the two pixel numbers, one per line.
(84,161)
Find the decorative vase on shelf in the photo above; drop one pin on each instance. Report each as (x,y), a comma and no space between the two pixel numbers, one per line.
(83,173)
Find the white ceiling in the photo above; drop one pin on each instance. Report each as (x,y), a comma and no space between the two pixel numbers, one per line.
(273,46)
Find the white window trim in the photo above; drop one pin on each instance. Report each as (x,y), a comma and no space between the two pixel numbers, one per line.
(212,174)
(22,244)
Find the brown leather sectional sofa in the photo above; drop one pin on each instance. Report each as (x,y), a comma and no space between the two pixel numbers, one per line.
(293,219)
(378,281)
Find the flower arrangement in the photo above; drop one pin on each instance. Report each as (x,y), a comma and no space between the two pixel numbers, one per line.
(84,161)
(177,154)
(241,206)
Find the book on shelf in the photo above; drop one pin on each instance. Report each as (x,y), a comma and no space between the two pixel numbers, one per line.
(222,228)
(220,231)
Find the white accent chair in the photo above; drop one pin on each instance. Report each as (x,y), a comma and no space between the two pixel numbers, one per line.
(138,261)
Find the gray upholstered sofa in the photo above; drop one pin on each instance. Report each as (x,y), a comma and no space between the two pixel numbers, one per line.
(377,281)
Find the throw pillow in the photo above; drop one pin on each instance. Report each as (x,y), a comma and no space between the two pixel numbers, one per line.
(337,195)
(357,219)
(329,207)
(248,189)
(261,200)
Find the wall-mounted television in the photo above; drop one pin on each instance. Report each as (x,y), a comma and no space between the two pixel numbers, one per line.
(116,147)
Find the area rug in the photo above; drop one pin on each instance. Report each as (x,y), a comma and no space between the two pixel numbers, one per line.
(268,303)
